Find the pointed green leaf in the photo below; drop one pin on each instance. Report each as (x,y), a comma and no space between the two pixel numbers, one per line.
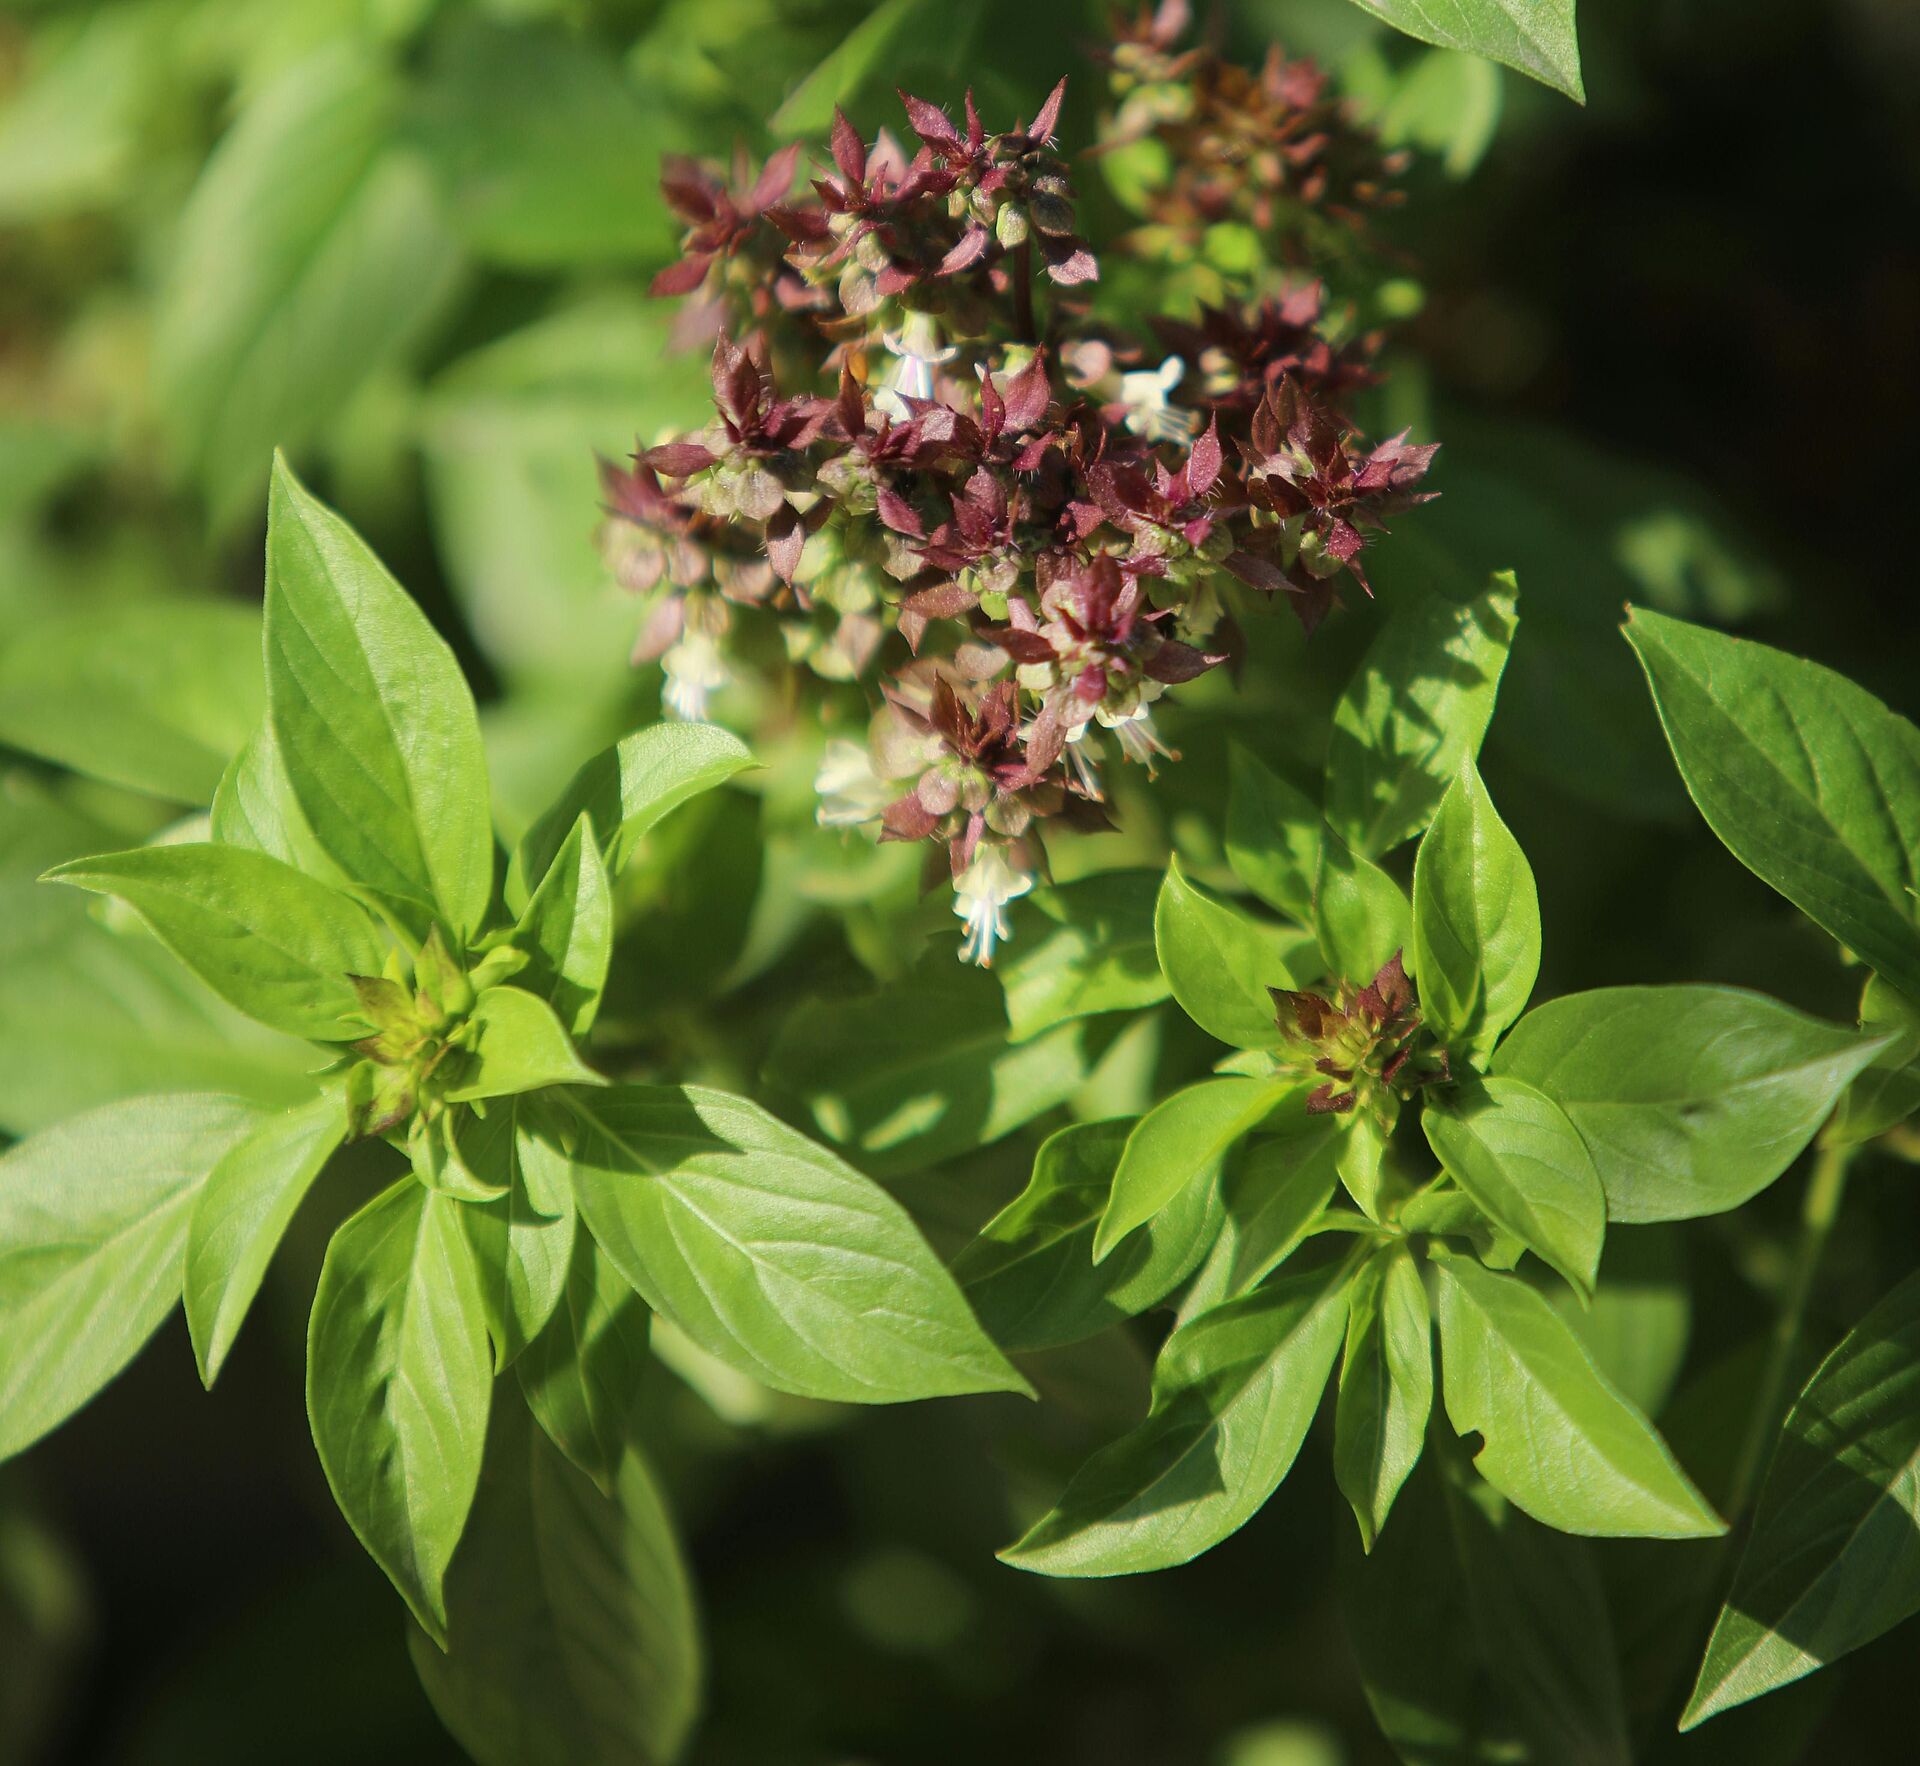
(574,1640)
(254,808)
(629,787)
(1177,1143)
(1386,1387)
(1887,1090)
(1220,961)
(1535,36)
(567,931)
(398,1385)
(1233,1395)
(1081,948)
(1513,1150)
(1834,1557)
(924,1068)
(242,1213)
(266,938)
(1030,1275)
(93,1234)
(1558,1439)
(372,719)
(1360,915)
(1273,835)
(522,1238)
(311,254)
(1691,1099)
(155,698)
(516,1044)
(771,1253)
(1809,781)
(1476,921)
(1482,1638)
(1416,709)
(581,1375)
(1273,1193)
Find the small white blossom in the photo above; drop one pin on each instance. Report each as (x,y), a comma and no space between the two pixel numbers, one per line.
(694,669)
(917,352)
(1147,394)
(980,896)
(1080,757)
(851,792)
(1139,740)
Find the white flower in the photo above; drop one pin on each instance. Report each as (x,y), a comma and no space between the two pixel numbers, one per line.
(980,896)
(1080,756)
(917,352)
(1139,740)
(694,668)
(851,792)
(1146,394)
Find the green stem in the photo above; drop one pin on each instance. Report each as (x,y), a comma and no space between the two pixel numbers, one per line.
(1818,1211)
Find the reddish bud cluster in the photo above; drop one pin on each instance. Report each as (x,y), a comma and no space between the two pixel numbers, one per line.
(1364,1038)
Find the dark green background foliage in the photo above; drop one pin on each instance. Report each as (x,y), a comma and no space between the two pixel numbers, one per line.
(1667,344)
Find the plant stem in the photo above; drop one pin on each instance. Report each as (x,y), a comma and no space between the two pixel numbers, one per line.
(1022,274)
(1818,1210)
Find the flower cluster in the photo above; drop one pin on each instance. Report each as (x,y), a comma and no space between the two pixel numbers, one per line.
(1363,1041)
(939,464)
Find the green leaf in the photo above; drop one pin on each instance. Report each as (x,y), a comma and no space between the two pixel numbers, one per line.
(1482,1638)
(923,1069)
(626,789)
(1030,1275)
(310,256)
(1360,915)
(514,1044)
(1534,36)
(1691,1099)
(398,1385)
(1274,1191)
(93,1233)
(156,698)
(771,1253)
(570,1615)
(548,152)
(1809,781)
(582,1373)
(1413,713)
(1887,1090)
(1079,949)
(242,1214)
(372,718)
(1233,1395)
(1476,921)
(509,434)
(567,931)
(71,127)
(1514,1151)
(1220,962)
(1273,835)
(622,1601)
(1558,1439)
(254,808)
(1637,1327)
(1834,1557)
(89,1016)
(808,109)
(1177,1143)
(266,938)
(1386,1387)
(522,1238)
